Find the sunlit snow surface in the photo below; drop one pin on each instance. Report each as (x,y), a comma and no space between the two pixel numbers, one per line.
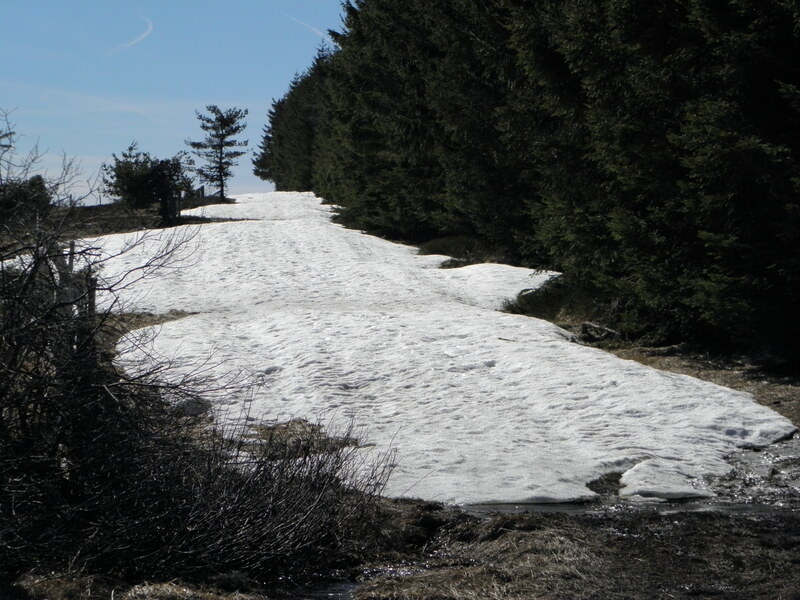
(482,406)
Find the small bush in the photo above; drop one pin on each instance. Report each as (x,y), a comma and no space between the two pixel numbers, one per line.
(139,180)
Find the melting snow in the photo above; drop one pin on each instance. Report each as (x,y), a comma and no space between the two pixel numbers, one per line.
(482,406)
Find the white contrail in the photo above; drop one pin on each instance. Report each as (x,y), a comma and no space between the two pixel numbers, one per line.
(136,40)
(306,25)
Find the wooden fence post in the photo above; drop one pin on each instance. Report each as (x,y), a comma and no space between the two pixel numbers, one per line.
(76,295)
(71,261)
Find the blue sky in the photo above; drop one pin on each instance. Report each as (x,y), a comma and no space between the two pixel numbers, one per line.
(85,78)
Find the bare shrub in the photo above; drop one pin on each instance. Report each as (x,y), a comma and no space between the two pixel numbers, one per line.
(102,472)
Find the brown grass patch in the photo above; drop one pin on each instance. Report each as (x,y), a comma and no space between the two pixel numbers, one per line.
(507,557)
(101,588)
(175,591)
(296,438)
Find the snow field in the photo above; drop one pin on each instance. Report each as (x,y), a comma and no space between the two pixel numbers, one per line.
(482,406)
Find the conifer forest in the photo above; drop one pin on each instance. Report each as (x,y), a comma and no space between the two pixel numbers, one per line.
(649,151)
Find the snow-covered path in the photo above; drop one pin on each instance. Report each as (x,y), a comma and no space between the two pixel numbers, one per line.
(481,405)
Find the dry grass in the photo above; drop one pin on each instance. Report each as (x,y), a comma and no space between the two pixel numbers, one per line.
(297,437)
(613,555)
(445,583)
(504,558)
(175,591)
(99,588)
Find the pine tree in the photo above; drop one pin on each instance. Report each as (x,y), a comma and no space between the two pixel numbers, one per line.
(217,149)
